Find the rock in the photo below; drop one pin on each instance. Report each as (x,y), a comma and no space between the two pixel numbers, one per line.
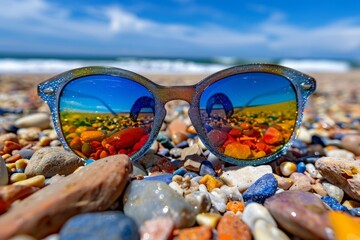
(159,228)
(343,174)
(255,211)
(243,177)
(263,230)
(200,201)
(287,168)
(272,136)
(208,219)
(301,167)
(310,168)
(11,193)
(261,189)
(283,183)
(192,165)
(178,137)
(201,233)
(144,200)
(210,182)
(93,188)
(40,120)
(177,126)
(111,224)
(235,206)
(166,178)
(340,153)
(36,181)
(4,176)
(351,143)
(304,135)
(232,227)
(26,153)
(138,169)
(344,226)
(217,137)
(301,182)
(319,189)
(232,193)
(194,149)
(350,204)
(300,213)
(334,204)
(50,161)
(207,168)
(218,200)
(333,191)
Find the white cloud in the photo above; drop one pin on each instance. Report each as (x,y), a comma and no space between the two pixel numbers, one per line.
(108,24)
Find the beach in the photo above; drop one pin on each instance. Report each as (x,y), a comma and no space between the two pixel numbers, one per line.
(317,179)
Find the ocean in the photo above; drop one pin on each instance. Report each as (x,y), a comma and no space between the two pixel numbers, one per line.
(57,64)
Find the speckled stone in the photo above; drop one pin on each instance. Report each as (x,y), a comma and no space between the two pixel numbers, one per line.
(334,204)
(101,225)
(199,200)
(243,177)
(159,228)
(159,200)
(50,161)
(345,174)
(40,120)
(261,189)
(300,213)
(231,227)
(333,191)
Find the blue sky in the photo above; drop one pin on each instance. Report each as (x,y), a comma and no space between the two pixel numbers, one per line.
(186,28)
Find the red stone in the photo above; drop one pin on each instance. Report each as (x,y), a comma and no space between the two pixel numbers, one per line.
(140,143)
(11,193)
(273,136)
(231,227)
(235,132)
(125,138)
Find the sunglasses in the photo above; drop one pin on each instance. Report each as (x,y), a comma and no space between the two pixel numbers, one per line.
(245,115)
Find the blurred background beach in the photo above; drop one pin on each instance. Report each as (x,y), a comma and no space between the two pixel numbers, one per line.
(180,41)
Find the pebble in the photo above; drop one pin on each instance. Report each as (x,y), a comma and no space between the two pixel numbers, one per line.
(4,177)
(210,182)
(194,149)
(207,168)
(301,182)
(261,189)
(310,168)
(300,213)
(16,177)
(340,153)
(343,174)
(232,193)
(36,181)
(26,153)
(40,120)
(208,219)
(350,204)
(159,228)
(263,230)
(112,224)
(344,226)
(96,187)
(351,143)
(218,200)
(235,206)
(50,161)
(159,200)
(287,168)
(166,178)
(333,191)
(231,227)
(192,165)
(334,204)
(244,177)
(301,167)
(11,193)
(254,212)
(200,201)
(284,183)
(200,233)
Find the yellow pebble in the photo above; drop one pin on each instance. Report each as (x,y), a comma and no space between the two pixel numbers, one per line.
(21,163)
(287,168)
(208,219)
(6,156)
(344,226)
(350,204)
(210,182)
(16,177)
(37,181)
(10,166)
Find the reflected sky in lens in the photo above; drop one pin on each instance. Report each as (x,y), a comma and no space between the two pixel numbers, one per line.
(251,89)
(101,93)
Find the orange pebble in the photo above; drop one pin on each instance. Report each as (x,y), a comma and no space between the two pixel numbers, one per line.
(210,182)
(273,136)
(237,150)
(89,136)
(196,233)
(235,206)
(231,227)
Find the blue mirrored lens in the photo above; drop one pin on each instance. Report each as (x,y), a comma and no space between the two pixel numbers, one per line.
(249,115)
(103,115)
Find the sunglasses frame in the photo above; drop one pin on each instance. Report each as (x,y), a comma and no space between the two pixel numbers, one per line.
(304,85)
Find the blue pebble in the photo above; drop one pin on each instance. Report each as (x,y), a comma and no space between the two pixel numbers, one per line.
(355,212)
(301,167)
(334,204)
(207,128)
(89,161)
(317,140)
(20,170)
(167,178)
(191,174)
(183,144)
(177,163)
(298,144)
(164,152)
(26,153)
(261,189)
(207,168)
(100,225)
(181,171)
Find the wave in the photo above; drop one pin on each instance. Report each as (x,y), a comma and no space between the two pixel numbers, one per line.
(154,65)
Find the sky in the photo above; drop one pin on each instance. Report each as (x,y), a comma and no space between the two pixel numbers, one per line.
(182,28)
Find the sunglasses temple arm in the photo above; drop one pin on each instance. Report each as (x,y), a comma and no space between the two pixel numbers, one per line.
(94,97)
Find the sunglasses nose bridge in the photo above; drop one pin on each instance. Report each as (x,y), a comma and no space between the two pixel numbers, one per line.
(185,93)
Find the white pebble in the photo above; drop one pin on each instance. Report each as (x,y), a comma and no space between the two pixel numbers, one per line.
(264,231)
(310,168)
(255,211)
(333,191)
(340,153)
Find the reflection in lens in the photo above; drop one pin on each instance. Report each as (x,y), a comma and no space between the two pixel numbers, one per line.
(105,115)
(249,115)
